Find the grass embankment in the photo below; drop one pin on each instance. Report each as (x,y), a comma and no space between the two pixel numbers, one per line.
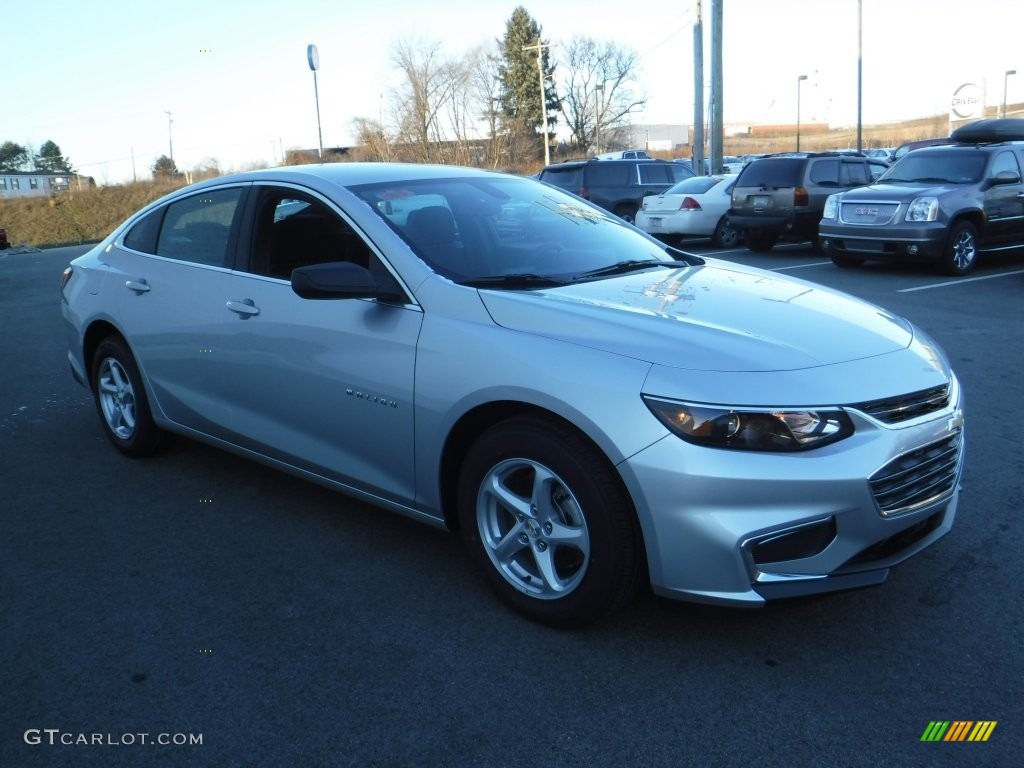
(76,217)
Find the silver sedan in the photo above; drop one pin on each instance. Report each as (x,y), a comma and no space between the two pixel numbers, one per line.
(591,409)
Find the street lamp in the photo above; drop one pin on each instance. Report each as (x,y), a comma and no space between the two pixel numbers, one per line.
(313,57)
(1006,77)
(799,80)
(599,94)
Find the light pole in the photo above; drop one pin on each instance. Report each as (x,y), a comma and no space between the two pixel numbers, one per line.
(313,57)
(799,80)
(1006,77)
(170,138)
(599,98)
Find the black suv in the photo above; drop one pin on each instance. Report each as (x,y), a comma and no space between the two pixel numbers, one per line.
(618,186)
(783,195)
(943,204)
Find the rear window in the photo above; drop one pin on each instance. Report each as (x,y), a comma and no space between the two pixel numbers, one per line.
(772,172)
(697,185)
(570,178)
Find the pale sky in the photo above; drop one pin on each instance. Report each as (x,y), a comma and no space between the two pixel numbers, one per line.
(98,77)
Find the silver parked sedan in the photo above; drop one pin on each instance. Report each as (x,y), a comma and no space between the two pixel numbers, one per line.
(591,409)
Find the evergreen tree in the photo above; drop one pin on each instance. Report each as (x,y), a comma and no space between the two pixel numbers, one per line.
(13,157)
(164,168)
(52,160)
(521,92)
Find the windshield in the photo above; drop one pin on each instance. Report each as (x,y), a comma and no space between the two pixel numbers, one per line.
(511,232)
(937,167)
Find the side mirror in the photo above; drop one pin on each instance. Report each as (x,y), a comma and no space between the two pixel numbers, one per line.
(343,280)
(1006,177)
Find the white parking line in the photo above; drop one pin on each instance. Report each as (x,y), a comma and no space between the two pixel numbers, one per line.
(801,266)
(961,281)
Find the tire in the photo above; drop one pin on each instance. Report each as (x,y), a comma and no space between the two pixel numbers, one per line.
(759,241)
(725,234)
(627,213)
(545,518)
(121,401)
(961,251)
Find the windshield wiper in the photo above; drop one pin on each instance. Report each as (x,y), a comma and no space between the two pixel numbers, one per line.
(634,265)
(513,281)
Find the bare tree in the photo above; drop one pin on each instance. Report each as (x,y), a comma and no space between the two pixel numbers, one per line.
(427,90)
(373,140)
(600,82)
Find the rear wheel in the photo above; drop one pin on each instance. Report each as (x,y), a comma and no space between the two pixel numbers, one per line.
(726,235)
(545,517)
(121,401)
(626,212)
(961,250)
(759,241)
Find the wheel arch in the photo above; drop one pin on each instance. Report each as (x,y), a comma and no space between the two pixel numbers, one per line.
(478,420)
(91,340)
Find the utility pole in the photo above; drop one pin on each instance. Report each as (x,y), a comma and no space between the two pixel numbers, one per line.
(170,140)
(539,47)
(697,150)
(717,109)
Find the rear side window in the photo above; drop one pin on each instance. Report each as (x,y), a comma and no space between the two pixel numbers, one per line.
(143,234)
(198,228)
(826,173)
(772,172)
(609,174)
(655,174)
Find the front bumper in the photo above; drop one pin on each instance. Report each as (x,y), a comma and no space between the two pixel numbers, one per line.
(917,241)
(731,527)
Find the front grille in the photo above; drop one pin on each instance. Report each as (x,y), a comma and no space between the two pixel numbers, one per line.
(918,478)
(853,212)
(893,410)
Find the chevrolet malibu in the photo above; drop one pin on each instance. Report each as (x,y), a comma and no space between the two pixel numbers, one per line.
(592,410)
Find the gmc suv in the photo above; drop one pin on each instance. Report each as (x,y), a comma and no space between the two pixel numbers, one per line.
(942,204)
(618,186)
(783,195)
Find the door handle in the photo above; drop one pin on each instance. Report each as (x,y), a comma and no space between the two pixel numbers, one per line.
(140,286)
(246,307)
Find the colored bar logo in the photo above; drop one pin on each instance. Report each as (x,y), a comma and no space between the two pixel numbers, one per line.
(959,730)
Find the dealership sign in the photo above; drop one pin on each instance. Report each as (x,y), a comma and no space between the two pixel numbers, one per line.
(968,102)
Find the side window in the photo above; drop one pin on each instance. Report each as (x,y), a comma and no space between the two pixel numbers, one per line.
(825,172)
(295,230)
(854,174)
(144,233)
(198,228)
(654,173)
(608,174)
(1005,161)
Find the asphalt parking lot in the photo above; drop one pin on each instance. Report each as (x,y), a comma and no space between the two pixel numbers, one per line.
(201,595)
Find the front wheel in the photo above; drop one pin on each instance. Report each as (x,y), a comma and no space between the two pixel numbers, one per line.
(961,250)
(546,519)
(121,401)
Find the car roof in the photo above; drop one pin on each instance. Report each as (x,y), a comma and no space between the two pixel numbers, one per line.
(352,174)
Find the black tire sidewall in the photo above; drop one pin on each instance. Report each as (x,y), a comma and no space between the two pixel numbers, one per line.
(147,437)
(948,265)
(615,548)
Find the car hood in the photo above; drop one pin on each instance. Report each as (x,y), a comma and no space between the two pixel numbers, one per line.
(903,191)
(714,317)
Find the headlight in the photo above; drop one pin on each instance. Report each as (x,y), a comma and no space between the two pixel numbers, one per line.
(831,207)
(923,209)
(747,429)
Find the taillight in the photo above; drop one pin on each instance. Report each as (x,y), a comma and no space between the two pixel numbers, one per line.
(800,197)
(584,193)
(689,204)
(65,276)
